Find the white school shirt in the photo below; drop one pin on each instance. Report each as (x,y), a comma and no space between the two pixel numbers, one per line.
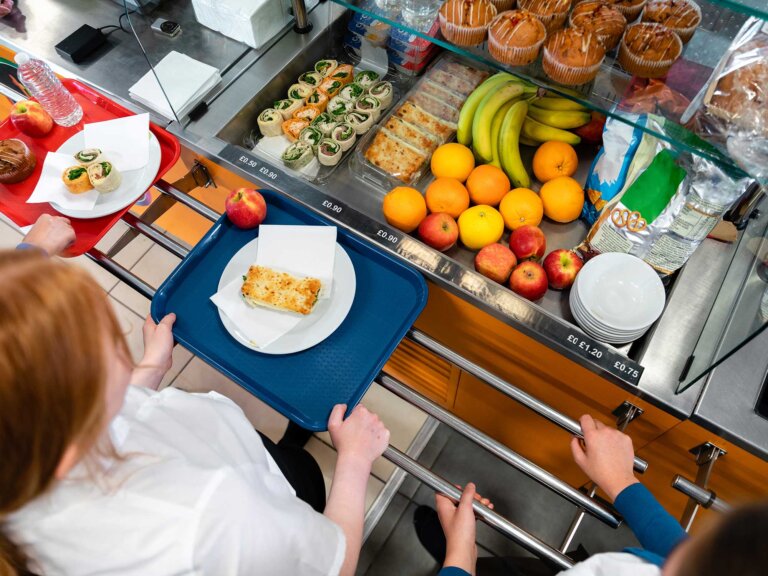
(613,564)
(196,494)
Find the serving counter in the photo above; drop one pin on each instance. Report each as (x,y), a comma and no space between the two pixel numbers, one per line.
(478,350)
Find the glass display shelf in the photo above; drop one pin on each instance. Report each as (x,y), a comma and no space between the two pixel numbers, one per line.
(614,92)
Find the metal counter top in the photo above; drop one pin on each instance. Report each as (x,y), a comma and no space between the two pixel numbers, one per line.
(246,71)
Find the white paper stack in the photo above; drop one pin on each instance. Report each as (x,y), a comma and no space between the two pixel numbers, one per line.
(253,22)
(186,82)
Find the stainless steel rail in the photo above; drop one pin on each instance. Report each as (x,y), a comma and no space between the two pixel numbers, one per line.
(121,273)
(155,235)
(187,200)
(493,519)
(706,498)
(565,422)
(510,457)
(303,25)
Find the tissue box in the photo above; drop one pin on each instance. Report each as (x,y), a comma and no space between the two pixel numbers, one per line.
(253,22)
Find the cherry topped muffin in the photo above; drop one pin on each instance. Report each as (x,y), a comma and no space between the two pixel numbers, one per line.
(572,56)
(681,16)
(515,37)
(648,50)
(602,19)
(630,9)
(552,13)
(465,22)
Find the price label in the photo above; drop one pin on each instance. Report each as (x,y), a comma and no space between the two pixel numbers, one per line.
(606,358)
(332,207)
(584,346)
(254,166)
(387,236)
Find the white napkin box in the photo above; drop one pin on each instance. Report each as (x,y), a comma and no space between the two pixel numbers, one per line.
(253,22)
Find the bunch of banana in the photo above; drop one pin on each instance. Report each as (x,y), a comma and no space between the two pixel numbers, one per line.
(504,112)
(550,118)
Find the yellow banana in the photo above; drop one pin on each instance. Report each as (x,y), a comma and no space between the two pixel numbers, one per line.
(467,113)
(481,123)
(538,132)
(496,130)
(559,118)
(553,103)
(528,142)
(509,145)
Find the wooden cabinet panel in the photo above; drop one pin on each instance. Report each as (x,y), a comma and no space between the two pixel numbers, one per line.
(425,372)
(738,477)
(538,370)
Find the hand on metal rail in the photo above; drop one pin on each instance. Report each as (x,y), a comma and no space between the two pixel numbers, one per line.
(51,233)
(605,455)
(459,527)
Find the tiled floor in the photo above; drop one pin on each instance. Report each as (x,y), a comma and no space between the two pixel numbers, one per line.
(152,264)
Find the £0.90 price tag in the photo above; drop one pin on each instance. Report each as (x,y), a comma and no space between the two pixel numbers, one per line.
(607,359)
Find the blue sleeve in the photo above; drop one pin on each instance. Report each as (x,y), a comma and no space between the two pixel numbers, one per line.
(654,527)
(452,571)
(28,246)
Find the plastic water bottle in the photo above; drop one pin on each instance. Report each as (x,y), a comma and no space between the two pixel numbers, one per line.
(39,79)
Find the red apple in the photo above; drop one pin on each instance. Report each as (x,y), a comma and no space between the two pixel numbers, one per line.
(439,230)
(246,208)
(529,280)
(561,267)
(528,243)
(592,133)
(31,119)
(495,261)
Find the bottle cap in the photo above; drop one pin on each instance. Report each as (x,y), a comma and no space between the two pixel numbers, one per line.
(22,58)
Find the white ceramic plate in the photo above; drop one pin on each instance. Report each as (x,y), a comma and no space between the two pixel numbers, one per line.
(327,315)
(587,322)
(132,187)
(621,291)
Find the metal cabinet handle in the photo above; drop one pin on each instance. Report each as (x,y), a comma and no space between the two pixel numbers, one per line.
(705,498)
(493,519)
(565,422)
(510,457)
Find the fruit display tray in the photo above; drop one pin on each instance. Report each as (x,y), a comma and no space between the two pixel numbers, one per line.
(303,386)
(96,108)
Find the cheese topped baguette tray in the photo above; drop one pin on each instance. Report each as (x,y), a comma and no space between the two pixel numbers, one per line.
(303,386)
(398,150)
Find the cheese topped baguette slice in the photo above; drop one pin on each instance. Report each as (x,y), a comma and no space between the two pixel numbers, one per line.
(267,287)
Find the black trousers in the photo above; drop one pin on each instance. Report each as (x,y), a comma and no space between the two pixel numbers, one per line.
(301,470)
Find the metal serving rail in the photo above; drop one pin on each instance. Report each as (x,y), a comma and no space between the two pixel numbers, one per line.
(586,503)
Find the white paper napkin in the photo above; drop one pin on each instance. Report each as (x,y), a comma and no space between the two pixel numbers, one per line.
(299,250)
(50,187)
(261,326)
(185,81)
(124,141)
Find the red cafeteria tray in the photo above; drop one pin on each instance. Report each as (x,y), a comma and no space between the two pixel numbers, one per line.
(96,108)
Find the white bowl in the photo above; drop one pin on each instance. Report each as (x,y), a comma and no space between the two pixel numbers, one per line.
(620,292)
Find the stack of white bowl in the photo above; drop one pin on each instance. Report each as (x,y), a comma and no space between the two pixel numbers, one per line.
(616,298)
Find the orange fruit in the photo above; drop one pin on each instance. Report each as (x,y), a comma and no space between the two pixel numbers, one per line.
(479,226)
(404,208)
(563,199)
(447,195)
(452,161)
(554,159)
(521,206)
(487,185)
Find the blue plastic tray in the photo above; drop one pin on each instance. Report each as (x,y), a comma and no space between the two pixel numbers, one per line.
(303,386)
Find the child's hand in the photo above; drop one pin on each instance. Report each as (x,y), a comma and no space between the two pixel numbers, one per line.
(51,233)
(606,456)
(458,522)
(362,437)
(158,352)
